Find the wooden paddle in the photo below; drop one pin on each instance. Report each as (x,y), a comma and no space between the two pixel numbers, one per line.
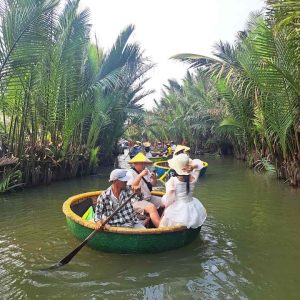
(67,258)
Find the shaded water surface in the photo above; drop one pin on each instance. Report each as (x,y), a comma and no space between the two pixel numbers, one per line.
(249,247)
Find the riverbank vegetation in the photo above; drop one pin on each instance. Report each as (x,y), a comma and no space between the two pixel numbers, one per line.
(245,99)
(64,101)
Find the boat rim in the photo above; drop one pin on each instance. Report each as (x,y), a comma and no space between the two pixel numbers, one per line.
(91,225)
(156,164)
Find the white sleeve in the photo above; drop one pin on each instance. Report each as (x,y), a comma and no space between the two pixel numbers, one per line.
(148,176)
(195,173)
(170,195)
(131,177)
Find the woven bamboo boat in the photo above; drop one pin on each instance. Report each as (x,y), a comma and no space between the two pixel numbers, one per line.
(161,167)
(124,240)
(159,158)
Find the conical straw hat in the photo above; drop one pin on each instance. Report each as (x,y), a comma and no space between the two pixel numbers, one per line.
(181,147)
(140,158)
(147,144)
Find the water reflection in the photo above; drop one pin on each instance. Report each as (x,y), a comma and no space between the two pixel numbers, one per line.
(205,269)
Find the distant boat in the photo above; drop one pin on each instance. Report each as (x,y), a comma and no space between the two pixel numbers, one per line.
(203,170)
(160,158)
(124,240)
(164,172)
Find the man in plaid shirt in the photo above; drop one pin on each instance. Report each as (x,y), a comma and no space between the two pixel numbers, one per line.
(112,198)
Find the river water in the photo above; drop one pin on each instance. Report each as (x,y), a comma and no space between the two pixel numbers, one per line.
(249,246)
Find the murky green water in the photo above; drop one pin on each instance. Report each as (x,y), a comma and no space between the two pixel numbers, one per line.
(249,247)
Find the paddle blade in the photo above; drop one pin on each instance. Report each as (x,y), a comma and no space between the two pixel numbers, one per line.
(69,257)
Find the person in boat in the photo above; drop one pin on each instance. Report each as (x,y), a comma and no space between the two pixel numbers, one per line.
(134,151)
(141,178)
(139,144)
(112,198)
(160,147)
(147,146)
(181,207)
(169,149)
(173,146)
(181,149)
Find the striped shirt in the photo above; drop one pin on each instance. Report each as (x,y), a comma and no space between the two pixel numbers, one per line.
(106,205)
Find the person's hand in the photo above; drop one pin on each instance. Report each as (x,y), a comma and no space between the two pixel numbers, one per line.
(153,175)
(188,168)
(136,189)
(98,226)
(144,173)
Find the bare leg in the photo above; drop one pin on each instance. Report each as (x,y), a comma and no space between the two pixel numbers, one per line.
(154,216)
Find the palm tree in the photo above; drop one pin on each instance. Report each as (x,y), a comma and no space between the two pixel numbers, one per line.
(258,80)
(62,98)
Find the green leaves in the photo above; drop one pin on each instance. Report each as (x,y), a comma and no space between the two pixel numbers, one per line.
(58,89)
(256,82)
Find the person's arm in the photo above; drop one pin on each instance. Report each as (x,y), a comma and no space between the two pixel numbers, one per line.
(194,168)
(170,195)
(137,180)
(153,179)
(99,209)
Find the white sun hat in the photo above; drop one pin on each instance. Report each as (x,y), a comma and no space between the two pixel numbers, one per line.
(178,162)
(180,148)
(119,174)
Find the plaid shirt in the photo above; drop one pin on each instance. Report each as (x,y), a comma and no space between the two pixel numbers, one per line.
(105,208)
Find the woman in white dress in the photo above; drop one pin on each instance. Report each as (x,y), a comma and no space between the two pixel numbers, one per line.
(181,207)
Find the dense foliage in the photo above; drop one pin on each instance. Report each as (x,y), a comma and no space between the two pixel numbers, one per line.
(247,96)
(64,101)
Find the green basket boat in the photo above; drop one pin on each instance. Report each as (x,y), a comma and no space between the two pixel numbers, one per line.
(124,240)
(159,158)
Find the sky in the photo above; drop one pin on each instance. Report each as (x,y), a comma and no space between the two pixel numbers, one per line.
(164,28)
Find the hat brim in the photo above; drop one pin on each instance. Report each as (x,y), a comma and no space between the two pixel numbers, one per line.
(179,148)
(144,162)
(173,165)
(125,178)
(140,158)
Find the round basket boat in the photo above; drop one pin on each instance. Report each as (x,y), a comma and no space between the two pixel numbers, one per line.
(123,240)
(161,167)
(158,158)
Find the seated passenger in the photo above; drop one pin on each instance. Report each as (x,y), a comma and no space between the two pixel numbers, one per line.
(181,149)
(173,146)
(181,207)
(134,151)
(112,198)
(141,178)
(147,146)
(169,150)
